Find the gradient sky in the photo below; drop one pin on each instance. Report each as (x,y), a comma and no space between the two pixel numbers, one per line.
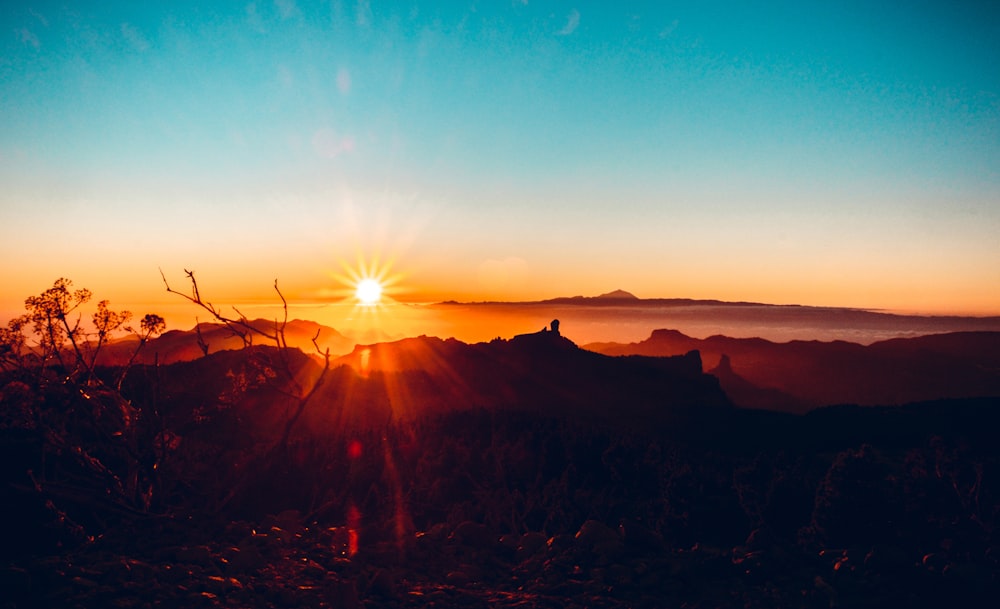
(840,153)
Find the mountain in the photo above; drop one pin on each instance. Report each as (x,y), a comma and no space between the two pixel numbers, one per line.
(615,315)
(952,365)
(745,394)
(543,372)
(183,345)
(618,295)
(411,379)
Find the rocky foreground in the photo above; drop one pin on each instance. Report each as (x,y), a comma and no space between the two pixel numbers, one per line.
(283,561)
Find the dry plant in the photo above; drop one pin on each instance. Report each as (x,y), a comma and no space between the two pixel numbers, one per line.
(92,455)
(288,382)
(278,375)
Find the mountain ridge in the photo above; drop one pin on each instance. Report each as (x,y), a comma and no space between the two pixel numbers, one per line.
(183,345)
(816,373)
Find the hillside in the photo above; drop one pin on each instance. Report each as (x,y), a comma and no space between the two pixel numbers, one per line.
(814,373)
(183,345)
(544,372)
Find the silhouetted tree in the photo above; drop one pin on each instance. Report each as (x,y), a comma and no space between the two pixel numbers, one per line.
(86,433)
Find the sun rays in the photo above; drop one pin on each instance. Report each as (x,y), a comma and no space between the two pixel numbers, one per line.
(369,285)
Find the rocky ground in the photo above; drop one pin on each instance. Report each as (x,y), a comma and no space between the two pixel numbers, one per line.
(283,561)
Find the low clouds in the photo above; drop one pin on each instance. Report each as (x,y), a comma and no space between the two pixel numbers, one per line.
(329,144)
(572,22)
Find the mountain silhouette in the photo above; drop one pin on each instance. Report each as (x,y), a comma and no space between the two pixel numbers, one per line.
(182,345)
(814,373)
(745,394)
(414,378)
(542,372)
(619,295)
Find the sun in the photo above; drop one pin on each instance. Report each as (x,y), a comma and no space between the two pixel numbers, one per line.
(368,291)
(370,286)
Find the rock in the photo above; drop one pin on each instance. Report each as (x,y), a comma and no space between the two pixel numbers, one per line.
(285,536)
(458,578)
(934,562)
(529,545)
(283,595)
(342,594)
(557,544)
(594,532)
(239,561)
(288,519)
(85,583)
(609,552)
(760,538)
(383,584)
(475,535)
(338,539)
(438,532)
(640,537)
(221,585)
(195,555)
(312,569)
(620,575)
(238,530)
(476,574)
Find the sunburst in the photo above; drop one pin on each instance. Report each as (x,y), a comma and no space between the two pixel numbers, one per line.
(368,292)
(369,284)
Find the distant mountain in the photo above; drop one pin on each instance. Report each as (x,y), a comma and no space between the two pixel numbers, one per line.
(624,297)
(813,373)
(745,394)
(619,295)
(182,345)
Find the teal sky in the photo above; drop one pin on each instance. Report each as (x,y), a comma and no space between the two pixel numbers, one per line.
(842,153)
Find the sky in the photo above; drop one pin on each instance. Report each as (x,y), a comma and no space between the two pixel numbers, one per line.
(824,153)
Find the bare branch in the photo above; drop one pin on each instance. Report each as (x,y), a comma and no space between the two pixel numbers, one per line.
(243,328)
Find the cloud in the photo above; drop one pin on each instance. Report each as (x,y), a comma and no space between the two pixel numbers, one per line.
(343,81)
(287,9)
(667,31)
(497,275)
(254,19)
(134,38)
(28,37)
(364,13)
(572,22)
(41,18)
(327,143)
